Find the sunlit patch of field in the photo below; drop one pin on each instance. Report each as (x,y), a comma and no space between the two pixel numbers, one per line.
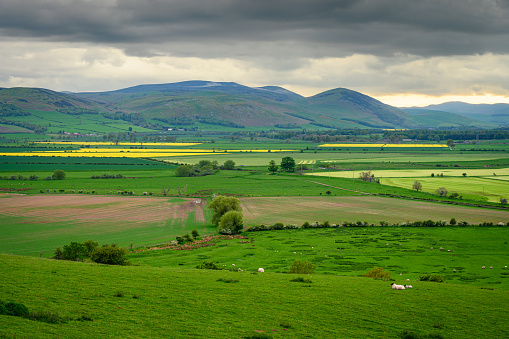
(306,162)
(418,173)
(386,145)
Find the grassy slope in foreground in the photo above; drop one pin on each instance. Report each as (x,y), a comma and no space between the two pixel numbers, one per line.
(181,303)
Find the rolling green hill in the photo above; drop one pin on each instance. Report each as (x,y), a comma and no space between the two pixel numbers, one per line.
(199,103)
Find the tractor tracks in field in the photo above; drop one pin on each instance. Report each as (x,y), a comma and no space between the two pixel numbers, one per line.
(339,188)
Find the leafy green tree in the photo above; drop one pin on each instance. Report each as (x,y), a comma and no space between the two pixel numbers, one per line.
(221,205)
(109,255)
(90,246)
(74,251)
(273,167)
(288,164)
(450,143)
(417,186)
(231,223)
(58,175)
(184,171)
(442,191)
(229,165)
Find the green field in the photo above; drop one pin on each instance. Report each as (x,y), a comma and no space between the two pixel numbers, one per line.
(180,302)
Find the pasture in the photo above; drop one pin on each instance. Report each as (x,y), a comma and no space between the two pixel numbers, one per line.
(35,224)
(477,184)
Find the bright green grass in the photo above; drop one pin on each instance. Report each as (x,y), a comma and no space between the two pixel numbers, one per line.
(416,173)
(470,187)
(189,303)
(353,251)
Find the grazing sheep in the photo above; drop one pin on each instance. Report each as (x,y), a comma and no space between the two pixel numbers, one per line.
(408,286)
(397,287)
(261,270)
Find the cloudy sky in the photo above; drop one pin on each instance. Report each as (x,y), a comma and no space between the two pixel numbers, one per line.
(403,52)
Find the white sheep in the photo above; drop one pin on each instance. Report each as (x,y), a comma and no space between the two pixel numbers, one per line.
(408,286)
(397,287)
(261,270)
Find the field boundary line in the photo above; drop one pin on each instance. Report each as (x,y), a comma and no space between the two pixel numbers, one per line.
(339,188)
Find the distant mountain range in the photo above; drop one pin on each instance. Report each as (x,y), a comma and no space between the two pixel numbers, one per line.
(194,103)
(487,115)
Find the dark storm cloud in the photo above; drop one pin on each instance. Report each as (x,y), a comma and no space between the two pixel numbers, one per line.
(221,28)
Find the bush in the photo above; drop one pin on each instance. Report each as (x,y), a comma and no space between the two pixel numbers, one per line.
(208,265)
(503,201)
(301,267)
(13,309)
(75,251)
(195,234)
(110,255)
(231,223)
(453,221)
(432,277)
(378,273)
(221,205)
(58,175)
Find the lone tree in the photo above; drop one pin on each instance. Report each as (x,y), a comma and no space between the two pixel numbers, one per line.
(58,175)
(450,143)
(221,205)
(442,191)
(288,164)
(417,186)
(229,165)
(273,167)
(367,176)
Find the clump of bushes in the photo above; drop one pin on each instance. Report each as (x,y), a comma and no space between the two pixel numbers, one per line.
(378,273)
(431,277)
(108,176)
(208,265)
(90,250)
(14,309)
(301,267)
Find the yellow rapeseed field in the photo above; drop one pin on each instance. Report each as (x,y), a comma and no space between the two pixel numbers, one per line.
(109,143)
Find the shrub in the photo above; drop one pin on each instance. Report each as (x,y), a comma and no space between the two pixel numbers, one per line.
(301,267)
(431,277)
(110,255)
(231,223)
(14,309)
(378,273)
(75,251)
(306,225)
(58,175)
(221,205)
(453,221)
(90,246)
(58,254)
(208,265)
(195,234)
(503,201)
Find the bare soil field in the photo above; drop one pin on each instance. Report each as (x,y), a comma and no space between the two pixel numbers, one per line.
(297,210)
(33,222)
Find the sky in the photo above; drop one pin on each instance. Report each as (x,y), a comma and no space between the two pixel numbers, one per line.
(402,52)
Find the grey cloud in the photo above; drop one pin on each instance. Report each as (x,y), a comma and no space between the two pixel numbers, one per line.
(222,28)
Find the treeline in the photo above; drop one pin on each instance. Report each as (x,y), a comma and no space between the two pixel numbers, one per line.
(10,110)
(36,128)
(133,118)
(327,224)
(71,110)
(437,135)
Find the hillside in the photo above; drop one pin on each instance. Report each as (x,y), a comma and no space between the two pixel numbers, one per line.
(496,114)
(434,118)
(205,103)
(216,105)
(99,301)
